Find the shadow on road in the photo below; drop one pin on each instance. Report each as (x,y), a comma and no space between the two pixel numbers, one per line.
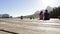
(8,31)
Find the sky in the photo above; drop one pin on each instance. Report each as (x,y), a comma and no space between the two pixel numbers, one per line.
(25,7)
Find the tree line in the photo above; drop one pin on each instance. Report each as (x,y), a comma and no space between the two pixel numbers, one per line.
(55,12)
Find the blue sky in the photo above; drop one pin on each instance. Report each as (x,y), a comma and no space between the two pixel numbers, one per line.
(25,7)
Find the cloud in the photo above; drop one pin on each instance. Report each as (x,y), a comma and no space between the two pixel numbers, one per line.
(49,2)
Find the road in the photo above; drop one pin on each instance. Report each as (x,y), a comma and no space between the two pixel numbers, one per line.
(30,26)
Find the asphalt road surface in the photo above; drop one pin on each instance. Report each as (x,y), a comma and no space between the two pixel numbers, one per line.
(30,26)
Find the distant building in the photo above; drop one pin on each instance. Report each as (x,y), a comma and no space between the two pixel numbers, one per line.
(4,15)
(0,15)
